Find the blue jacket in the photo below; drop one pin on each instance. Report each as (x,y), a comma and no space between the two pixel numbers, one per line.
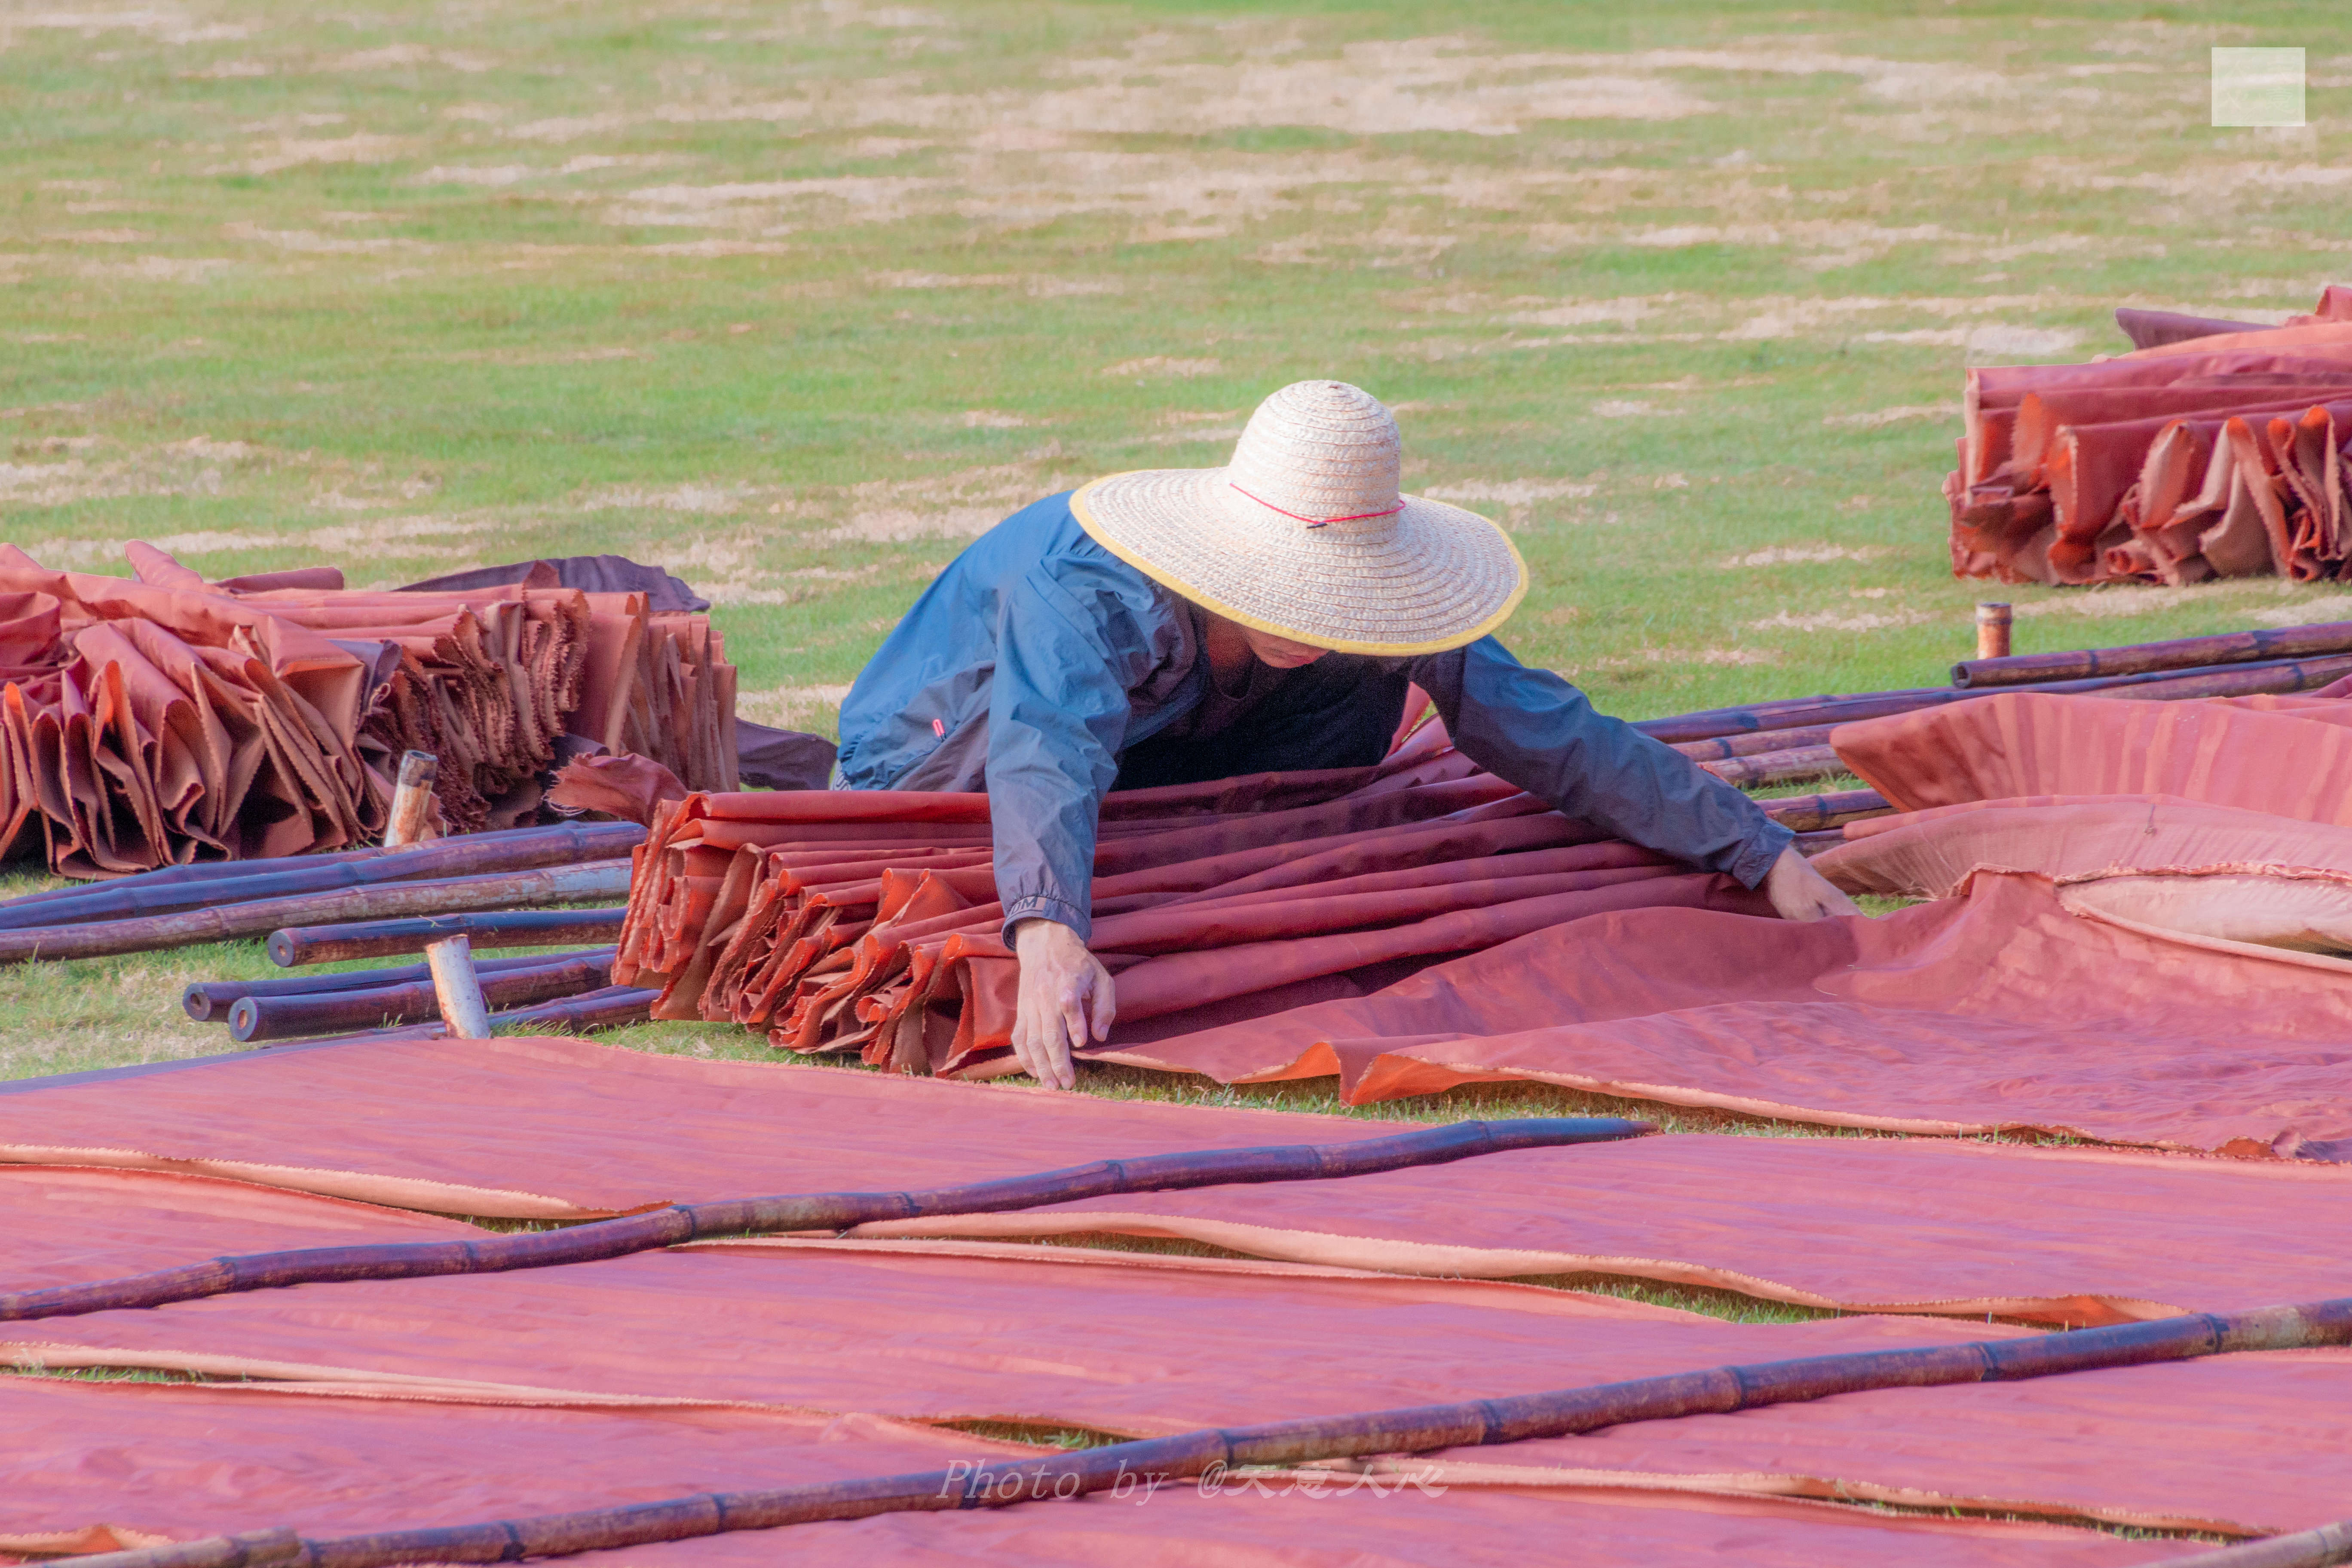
(1038,658)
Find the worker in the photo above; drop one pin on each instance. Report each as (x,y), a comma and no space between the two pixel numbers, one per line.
(1178,624)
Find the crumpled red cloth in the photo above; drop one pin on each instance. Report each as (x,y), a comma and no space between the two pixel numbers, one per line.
(2005,1008)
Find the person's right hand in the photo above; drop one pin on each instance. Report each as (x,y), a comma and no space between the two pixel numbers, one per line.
(1066,998)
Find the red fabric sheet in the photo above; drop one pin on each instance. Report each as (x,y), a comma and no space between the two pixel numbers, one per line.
(208,1460)
(1999,1011)
(2286,760)
(1140,1346)
(2077,1235)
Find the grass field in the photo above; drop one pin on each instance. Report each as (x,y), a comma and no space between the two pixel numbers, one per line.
(796,299)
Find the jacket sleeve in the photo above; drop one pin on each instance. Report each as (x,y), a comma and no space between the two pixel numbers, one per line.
(1532,728)
(1058,714)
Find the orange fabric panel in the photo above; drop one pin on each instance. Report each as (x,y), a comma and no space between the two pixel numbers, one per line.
(1920,1225)
(1138,1346)
(210,1460)
(2017,744)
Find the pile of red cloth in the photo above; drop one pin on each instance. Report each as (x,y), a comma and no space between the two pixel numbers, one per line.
(2210,452)
(156,721)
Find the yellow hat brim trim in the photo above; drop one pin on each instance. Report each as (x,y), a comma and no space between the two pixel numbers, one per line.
(1259,624)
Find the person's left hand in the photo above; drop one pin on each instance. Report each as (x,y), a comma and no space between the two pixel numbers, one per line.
(1801,893)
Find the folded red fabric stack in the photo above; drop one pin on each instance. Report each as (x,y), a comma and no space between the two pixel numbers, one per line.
(840,920)
(2213,452)
(167,719)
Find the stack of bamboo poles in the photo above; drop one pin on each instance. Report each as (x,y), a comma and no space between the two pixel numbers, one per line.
(406,897)
(224,900)
(1780,742)
(2213,452)
(168,720)
(835,920)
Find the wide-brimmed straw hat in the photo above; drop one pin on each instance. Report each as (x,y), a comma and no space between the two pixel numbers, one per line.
(1303,533)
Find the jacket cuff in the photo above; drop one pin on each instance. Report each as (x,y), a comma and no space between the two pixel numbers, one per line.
(1755,857)
(1047,907)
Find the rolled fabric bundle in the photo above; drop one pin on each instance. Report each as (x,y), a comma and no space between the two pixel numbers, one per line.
(972,979)
(764,987)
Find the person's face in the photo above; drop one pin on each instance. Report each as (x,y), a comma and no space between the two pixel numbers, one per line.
(1281,652)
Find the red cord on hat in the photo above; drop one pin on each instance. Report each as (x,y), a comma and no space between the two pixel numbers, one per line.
(1320,521)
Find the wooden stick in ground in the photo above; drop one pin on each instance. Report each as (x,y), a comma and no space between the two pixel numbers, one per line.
(2135,658)
(380,939)
(411,800)
(1992,629)
(1560,1413)
(817,1210)
(458,989)
(451,895)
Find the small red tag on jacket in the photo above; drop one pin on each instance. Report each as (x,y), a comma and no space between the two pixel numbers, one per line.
(938,728)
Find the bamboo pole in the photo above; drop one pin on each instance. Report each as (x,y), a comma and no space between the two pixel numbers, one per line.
(451,895)
(2321,1547)
(1818,840)
(211,1001)
(610,1007)
(818,1211)
(1753,742)
(2210,680)
(562,845)
(411,801)
(223,874)
(1779,767)
(199,871)
(519,982)
(1118,1467)
(456,989)
(1993,620)
(2180,653)
(1814,813)
(378,939)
